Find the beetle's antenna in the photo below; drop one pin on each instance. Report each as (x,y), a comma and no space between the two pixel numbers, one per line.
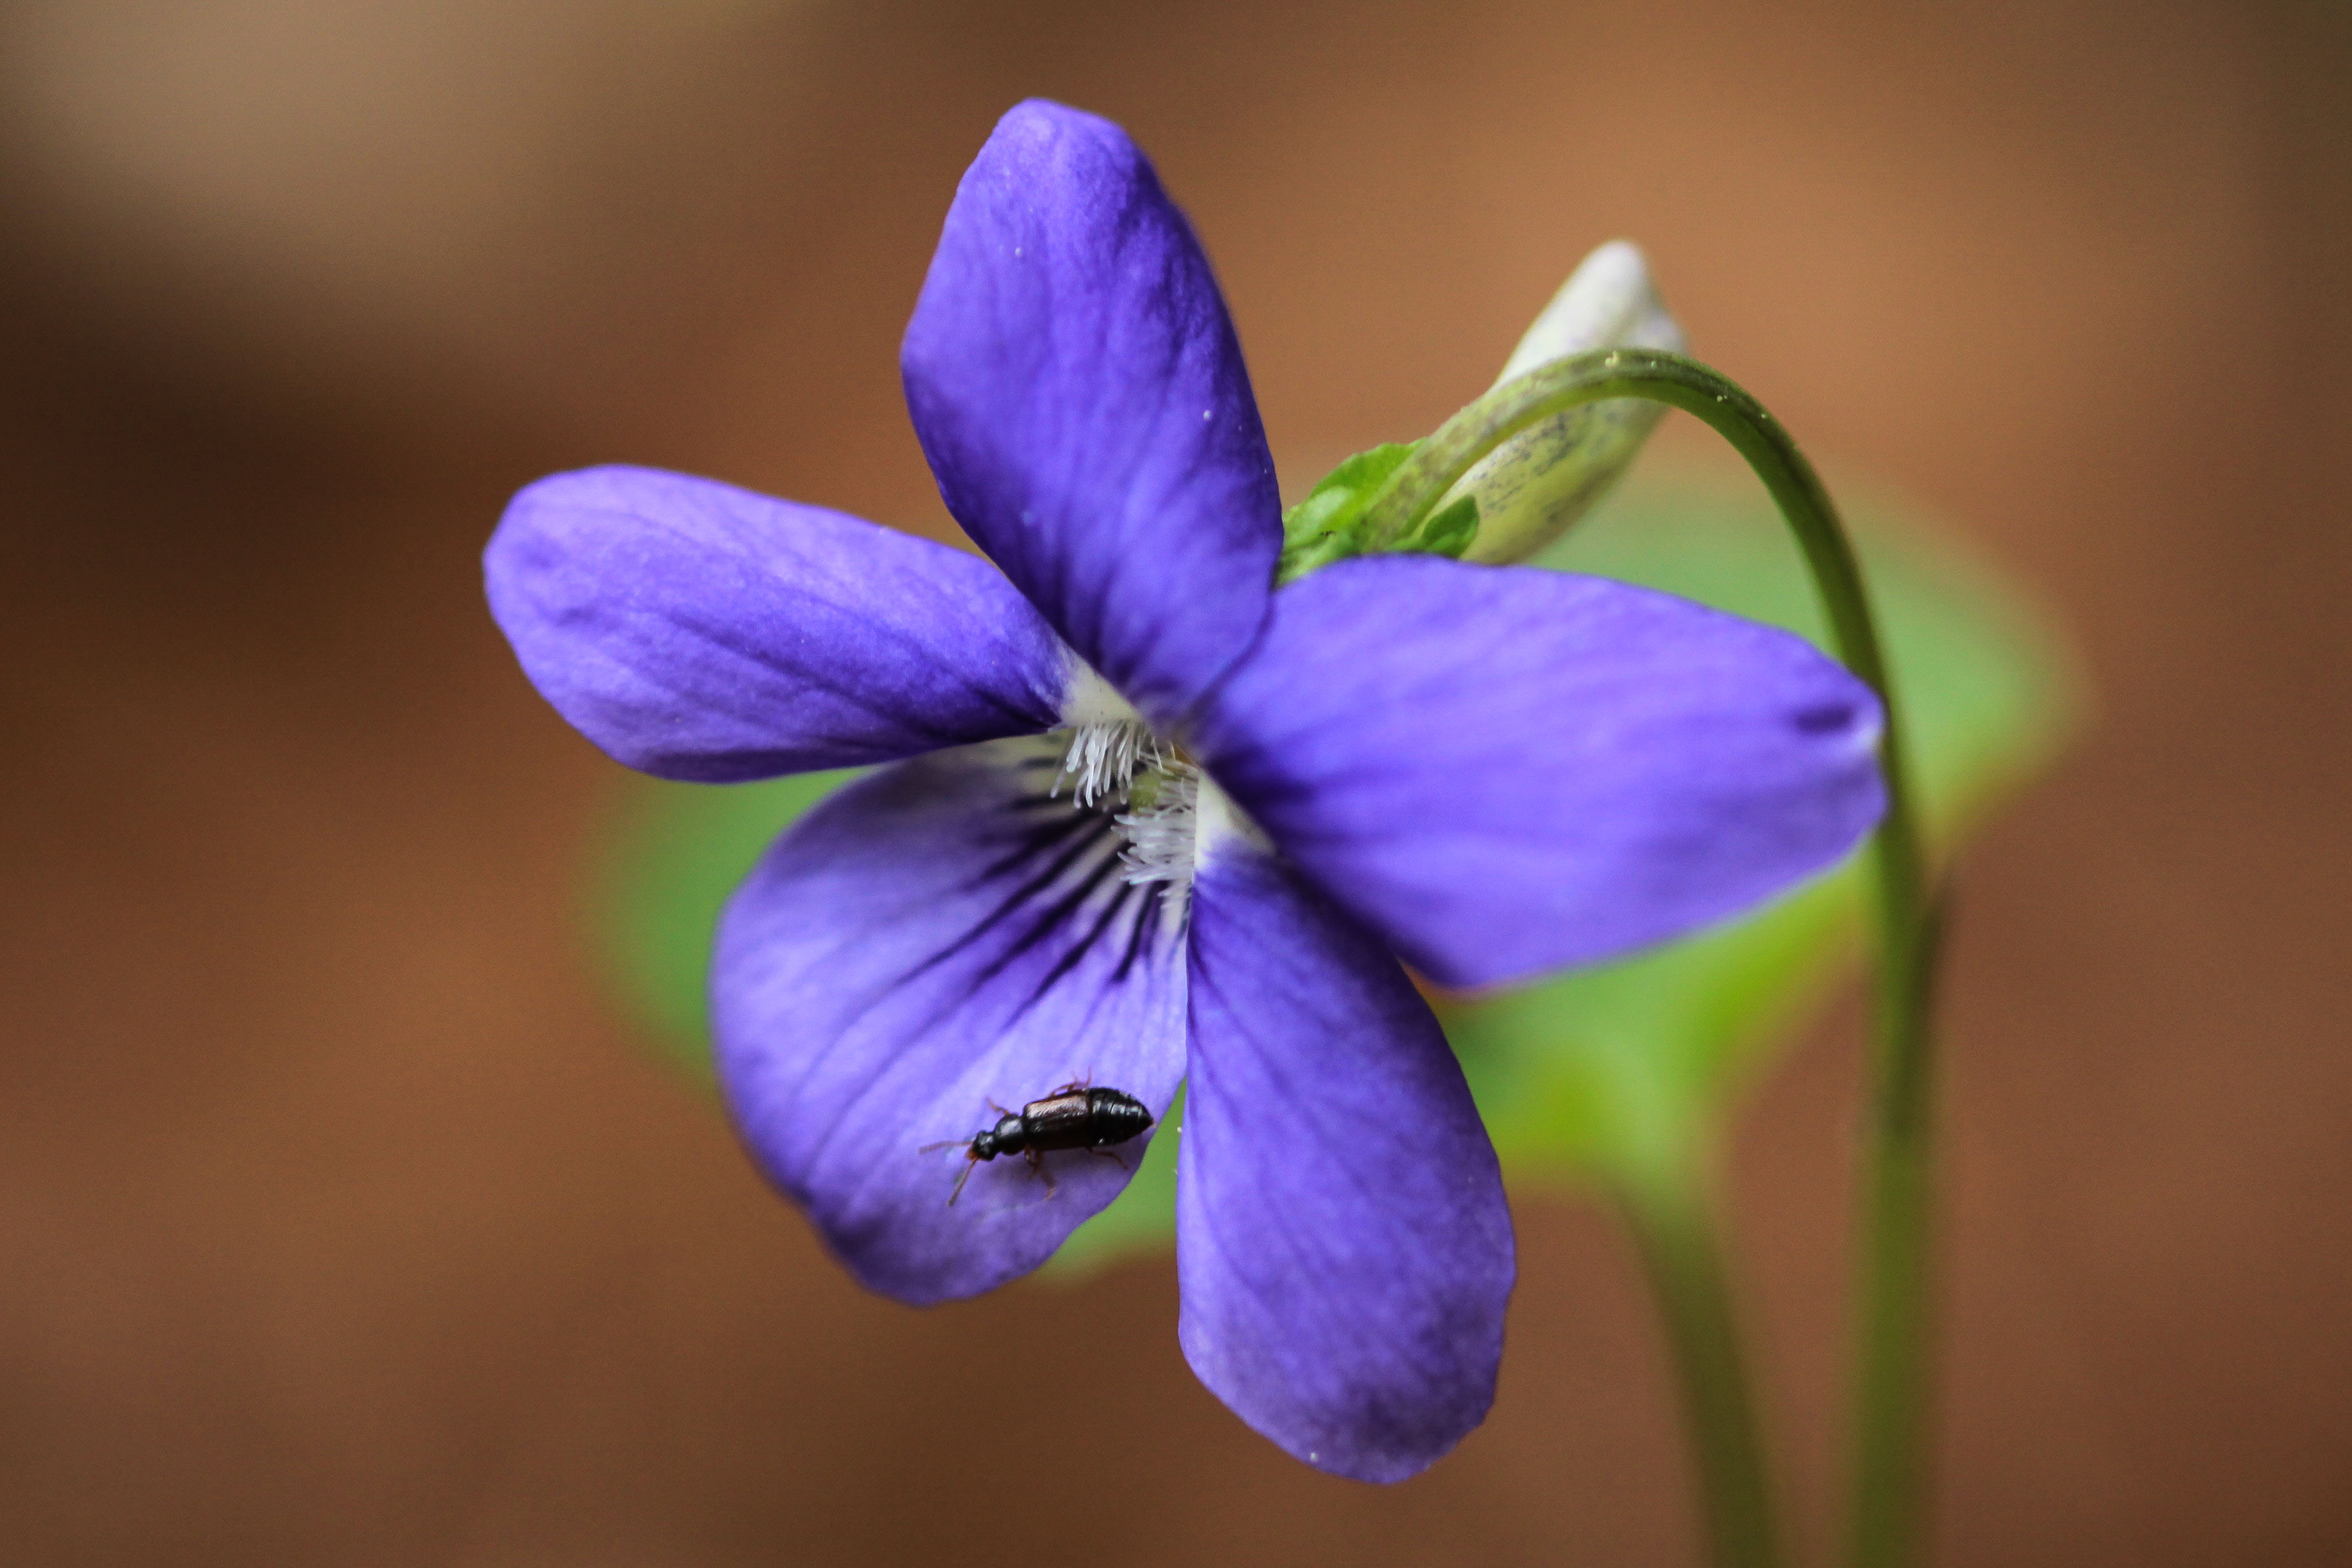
(951,1143)
(969,1167)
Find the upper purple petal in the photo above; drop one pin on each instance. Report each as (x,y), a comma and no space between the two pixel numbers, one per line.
(1504,770)
(1081,396)
(1343,1246)
(698,631)
(942,934)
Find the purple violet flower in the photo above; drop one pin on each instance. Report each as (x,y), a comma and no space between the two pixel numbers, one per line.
(1147,820)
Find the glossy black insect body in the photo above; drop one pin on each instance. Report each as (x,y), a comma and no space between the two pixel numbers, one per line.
(1075,1116)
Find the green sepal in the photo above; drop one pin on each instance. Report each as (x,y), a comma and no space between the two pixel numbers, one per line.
(1448,531)
(1325,527)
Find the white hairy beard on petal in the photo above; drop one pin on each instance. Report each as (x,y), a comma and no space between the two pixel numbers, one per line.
(1162,830)
(1103,760)
(1110,742)
(1174,812)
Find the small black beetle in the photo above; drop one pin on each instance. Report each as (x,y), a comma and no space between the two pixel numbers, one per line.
(1075,1116)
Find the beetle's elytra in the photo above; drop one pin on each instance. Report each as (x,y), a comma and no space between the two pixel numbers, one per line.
(1075,1116)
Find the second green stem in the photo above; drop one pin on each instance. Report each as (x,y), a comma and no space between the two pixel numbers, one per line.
(1673,1222)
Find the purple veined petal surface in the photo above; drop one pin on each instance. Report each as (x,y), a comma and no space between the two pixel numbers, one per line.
(1343,1245)
(698,631)
(940,934)
(1503,770)
(1078,387)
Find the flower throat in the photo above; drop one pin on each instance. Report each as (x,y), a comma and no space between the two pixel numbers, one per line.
(1121,762)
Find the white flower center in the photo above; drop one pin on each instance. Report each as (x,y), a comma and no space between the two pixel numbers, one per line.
(1161,833)
(1103,760)
(1174,813)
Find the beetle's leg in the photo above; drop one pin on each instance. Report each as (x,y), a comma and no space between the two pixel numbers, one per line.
(1037,1164)
(1110,1154)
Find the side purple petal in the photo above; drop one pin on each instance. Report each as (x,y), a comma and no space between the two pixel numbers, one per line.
(1343,1246)
(942,934)
(698,631)
(1503,770)
(1081,396)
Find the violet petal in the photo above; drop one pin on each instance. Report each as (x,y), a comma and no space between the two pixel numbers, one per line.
(1081,396)
(1344,1248)
(1502,770)
(937,936)
(698,631)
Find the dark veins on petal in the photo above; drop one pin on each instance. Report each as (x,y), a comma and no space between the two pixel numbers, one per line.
(1059,867)
(943,934)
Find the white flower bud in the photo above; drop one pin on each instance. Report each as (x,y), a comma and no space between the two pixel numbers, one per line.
(1535,485)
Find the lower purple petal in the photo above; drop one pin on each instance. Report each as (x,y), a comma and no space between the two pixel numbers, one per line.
(940,935)
(1343,1245)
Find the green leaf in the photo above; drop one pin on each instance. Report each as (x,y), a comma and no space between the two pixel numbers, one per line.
(1141,1219)
(1609,1073)
(677,852)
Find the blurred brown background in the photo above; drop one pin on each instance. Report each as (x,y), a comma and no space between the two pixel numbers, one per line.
(342,1222)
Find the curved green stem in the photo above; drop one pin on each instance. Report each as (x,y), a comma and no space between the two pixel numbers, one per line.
(1674,1230)
(1890,1412)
